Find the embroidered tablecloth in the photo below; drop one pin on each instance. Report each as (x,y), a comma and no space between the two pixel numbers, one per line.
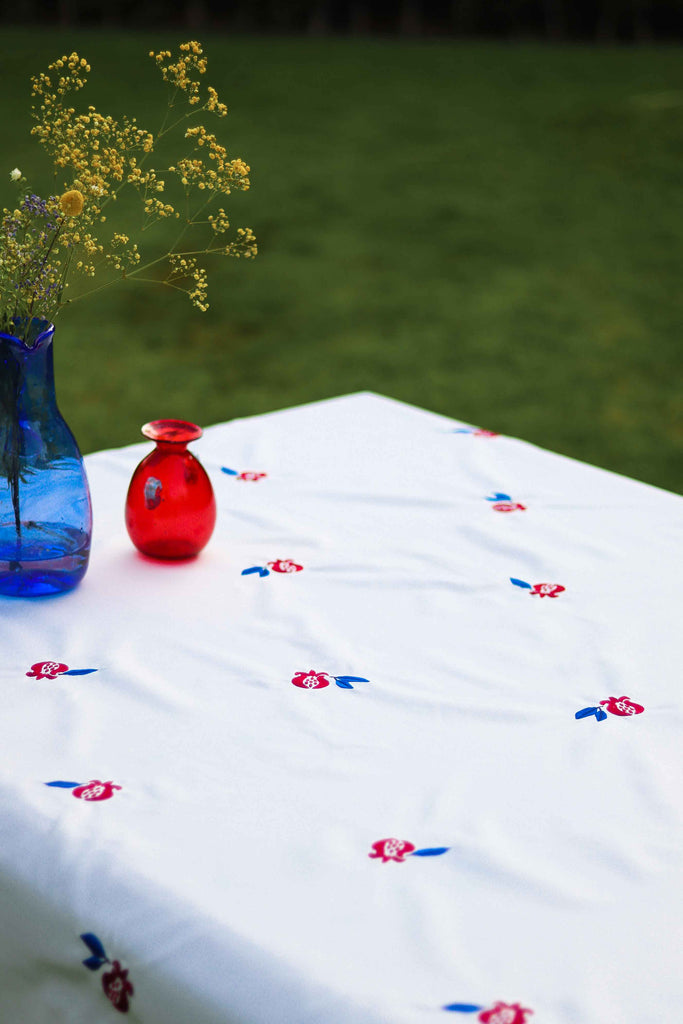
(402,745)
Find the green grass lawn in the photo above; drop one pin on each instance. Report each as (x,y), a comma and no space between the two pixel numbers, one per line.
(490,231)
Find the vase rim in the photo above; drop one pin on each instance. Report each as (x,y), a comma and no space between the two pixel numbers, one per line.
(171,431)
(43,329)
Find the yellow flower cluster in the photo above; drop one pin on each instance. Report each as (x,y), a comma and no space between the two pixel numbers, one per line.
(219,222)
(185,268)
(245,245)
(220,174)
(92,146)
(125,255)
(212,104)
(86,268)
(75,66)
(99,156)
(179,74)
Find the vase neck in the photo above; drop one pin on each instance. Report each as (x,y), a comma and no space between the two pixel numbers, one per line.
(171,447)
(28,376)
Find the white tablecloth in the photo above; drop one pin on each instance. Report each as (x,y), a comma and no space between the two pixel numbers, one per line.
(241,874)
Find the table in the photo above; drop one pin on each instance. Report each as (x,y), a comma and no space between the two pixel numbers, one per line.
(355,792)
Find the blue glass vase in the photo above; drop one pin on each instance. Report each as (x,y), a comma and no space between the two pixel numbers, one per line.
(45,510)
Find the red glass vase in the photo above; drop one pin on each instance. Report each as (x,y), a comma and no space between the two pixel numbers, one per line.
(170,507)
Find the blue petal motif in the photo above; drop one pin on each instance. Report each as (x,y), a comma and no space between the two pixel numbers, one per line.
(351,679)
(255,568)
(79,671)
(93,963)
(342,683)
(462,1008)
(230,472)
(63,785)
(498,496)
(587,712)
(520,583)
(94,945)
(433,851)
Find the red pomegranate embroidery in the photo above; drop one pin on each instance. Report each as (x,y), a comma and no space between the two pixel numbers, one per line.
(546,589)
(117,988)
(504,1013)
(312,680)
(47,669)
(392,849)
(284,565)
(248,475)
(622,706)
(485,433)
(508,506)
(95,790)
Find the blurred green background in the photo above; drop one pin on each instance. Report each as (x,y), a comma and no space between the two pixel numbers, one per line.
(492,231)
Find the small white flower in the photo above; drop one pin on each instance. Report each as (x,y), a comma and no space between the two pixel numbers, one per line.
(15,174)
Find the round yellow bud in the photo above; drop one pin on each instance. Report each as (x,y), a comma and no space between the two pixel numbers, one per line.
(71,203)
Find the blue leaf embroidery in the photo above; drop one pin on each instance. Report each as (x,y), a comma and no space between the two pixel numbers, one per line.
(433,851)
(351,679)
(498,496)
(230,472)
(254,568)
(463,1007)
(94,945)
(343,684)
(264,572)
(587,712)
(79,671)
(63,785)
(93,963)
(520,583)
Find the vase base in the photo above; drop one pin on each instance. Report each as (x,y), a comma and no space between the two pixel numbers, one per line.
(50,563)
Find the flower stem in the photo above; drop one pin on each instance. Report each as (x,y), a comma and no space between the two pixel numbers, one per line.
(9,427)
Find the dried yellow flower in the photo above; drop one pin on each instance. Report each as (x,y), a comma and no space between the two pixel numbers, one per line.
(97,157)
(71,203)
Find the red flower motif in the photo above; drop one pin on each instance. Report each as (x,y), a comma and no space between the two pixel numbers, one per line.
(251,476)
(95,790)
(508,506)
(546,590)
(485,433)
(504,1013)
(284,565)
(47,669)
(312,680)
(117,988)
(392,849)
(622,706)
